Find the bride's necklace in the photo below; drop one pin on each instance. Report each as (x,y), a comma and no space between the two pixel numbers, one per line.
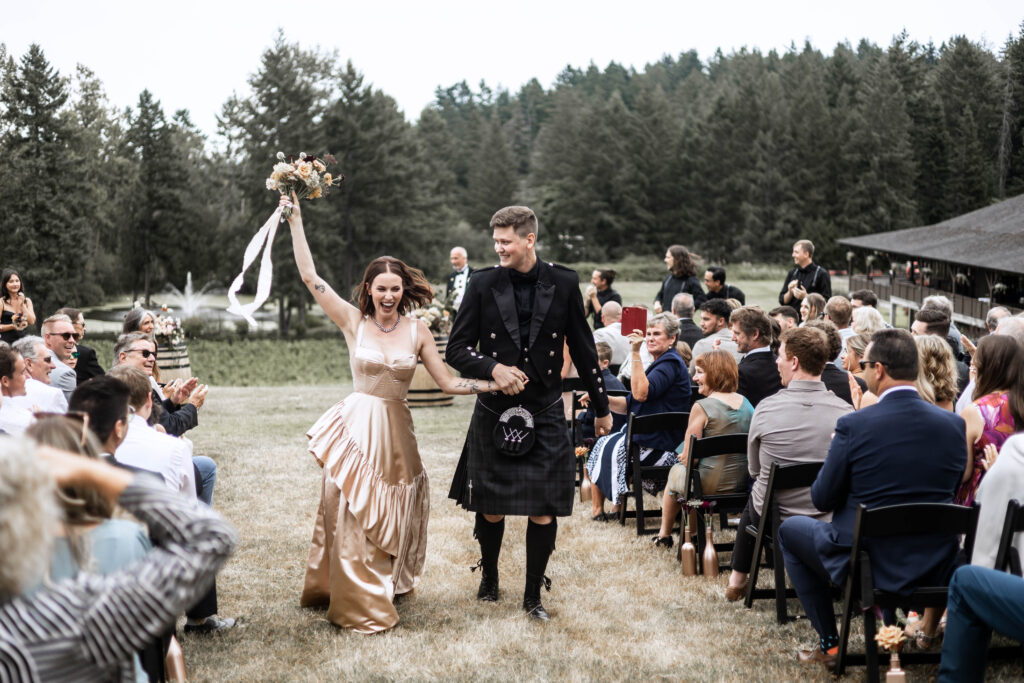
(383,329)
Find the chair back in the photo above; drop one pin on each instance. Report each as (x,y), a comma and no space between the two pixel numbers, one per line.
(708,447)
(783,478)
(1007,558)
(651,424)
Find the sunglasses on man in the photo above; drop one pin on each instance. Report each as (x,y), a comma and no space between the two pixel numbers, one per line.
(66,336)
(146,353)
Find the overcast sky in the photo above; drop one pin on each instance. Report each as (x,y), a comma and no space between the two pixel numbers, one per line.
(194,54)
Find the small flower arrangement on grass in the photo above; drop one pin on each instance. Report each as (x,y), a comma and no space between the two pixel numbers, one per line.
(434,314)
(306,176)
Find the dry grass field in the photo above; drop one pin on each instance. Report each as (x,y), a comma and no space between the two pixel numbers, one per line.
(621,609)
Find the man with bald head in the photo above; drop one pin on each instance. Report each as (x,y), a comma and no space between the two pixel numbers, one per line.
(458,278)
(611,334)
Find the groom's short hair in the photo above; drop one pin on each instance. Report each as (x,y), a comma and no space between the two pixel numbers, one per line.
(521,218)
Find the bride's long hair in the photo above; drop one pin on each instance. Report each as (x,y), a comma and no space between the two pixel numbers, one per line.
(416,291)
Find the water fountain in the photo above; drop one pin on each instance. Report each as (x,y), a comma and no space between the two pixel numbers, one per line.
(187,303)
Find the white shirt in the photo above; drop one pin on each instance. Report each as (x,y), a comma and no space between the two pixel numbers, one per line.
(612,335)
(14,419)
(459,286)
(898,387)
(148,449)
(42,396)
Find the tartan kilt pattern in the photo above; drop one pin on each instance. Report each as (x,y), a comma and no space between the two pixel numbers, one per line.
(542,482)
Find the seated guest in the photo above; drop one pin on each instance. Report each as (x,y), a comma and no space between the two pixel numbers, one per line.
(87,366)
(663,388)
(863,298)
(38,364)
(88,627)
(936,377)
(1011,326)
(176,414)
(714,323)
(599,293)
(812,308)
(941,303)
(59,337)
(852,356)
(611,383)
(900,450)
(980,600)
(682,308)
(146,448)
(792,426)
(996,366)
(839,313)
(935,322)
(837,381)
(13,418)
(139,320)
(611,334)
(1003,481)
(758,374)
(721,411)
(89,538)
(714,281)
(867,321)
(786,316)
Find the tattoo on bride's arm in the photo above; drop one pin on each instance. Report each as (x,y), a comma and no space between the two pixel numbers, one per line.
(471,384)
(320,287)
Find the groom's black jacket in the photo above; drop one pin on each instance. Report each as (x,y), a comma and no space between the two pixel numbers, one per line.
(486,332)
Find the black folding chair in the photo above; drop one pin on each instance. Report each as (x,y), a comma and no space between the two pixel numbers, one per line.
(1007,558)
(646,424)
(724,503)
(912,519)
(784,478)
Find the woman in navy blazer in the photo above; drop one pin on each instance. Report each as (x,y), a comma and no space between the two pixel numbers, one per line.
(663,388)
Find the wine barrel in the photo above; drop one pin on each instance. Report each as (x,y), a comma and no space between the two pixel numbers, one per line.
(423,391)
(173,362)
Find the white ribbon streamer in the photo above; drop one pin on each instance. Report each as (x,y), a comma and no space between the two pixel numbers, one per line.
(264,237)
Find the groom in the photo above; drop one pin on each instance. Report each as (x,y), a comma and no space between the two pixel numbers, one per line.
(517,460)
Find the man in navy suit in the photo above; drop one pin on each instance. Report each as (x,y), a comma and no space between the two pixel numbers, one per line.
(900,450)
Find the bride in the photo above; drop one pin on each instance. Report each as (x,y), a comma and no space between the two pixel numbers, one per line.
(369,542)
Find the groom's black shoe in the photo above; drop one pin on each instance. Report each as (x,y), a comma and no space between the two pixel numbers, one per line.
(488,591)
(533,608)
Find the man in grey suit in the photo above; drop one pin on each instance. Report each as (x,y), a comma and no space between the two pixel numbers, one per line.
(59,337)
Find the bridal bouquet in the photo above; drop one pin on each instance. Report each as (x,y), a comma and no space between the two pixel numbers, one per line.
(435,316)
(308,178)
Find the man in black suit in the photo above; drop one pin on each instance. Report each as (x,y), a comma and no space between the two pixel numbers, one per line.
(714,281)
(806,278)
(683,308)
(514,321)
(900,450)
(458,278)
(88,366)
(835,378)
(752,332)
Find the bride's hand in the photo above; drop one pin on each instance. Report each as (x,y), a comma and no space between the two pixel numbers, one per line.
(293,202)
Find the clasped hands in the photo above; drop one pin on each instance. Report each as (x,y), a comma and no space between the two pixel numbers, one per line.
(188,391)
(510,380)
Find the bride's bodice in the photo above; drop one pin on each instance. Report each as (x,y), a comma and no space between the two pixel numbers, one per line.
(385,376)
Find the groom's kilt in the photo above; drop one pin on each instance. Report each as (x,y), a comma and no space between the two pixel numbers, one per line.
(541,482)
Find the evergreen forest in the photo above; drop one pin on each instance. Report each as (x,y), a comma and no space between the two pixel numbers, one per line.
(735,156)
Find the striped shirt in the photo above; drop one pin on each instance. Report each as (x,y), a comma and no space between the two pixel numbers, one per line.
(87,628)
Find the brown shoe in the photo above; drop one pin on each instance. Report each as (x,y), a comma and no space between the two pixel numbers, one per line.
(734,593)
(817,656)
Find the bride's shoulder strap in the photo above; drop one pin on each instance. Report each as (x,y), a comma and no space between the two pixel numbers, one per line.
(359,331)
(415,326)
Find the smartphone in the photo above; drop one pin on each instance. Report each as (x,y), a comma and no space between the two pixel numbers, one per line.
(633,318)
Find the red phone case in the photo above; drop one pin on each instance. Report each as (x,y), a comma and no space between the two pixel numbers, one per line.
(633,318)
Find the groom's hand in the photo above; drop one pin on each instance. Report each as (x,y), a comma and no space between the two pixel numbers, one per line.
(510,380)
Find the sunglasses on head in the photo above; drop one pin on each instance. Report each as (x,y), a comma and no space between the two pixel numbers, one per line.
(146,353)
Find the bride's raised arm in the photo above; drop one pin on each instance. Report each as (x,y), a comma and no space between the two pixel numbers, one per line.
(345,315)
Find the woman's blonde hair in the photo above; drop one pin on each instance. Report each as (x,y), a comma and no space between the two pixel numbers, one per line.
(28,515)
(936,369)
(867,320)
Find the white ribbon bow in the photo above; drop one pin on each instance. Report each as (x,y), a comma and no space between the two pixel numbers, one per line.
(265,236)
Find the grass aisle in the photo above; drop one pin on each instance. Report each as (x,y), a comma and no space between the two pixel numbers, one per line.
(621,609)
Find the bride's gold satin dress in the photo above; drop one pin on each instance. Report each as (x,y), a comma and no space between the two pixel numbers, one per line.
(370,538)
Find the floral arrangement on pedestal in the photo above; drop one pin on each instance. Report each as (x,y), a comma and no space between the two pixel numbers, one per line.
(436,316)
(168,330)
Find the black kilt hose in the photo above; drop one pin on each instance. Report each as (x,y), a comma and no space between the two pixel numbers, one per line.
(522,321)
(537,483)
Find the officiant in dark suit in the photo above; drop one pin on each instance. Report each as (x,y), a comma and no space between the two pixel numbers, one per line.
(512,326)
(900,450)
(759,375)
(458,278)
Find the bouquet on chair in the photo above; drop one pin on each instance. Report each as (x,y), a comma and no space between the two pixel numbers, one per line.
(307,177)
